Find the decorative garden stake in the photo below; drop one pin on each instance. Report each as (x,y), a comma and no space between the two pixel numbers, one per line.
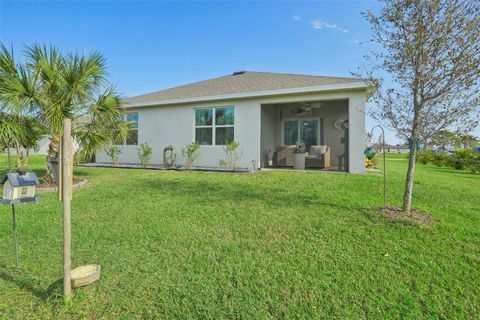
(384,164)
(19,187)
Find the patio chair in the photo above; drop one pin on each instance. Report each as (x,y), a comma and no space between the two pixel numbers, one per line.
(318,157)
(283,157)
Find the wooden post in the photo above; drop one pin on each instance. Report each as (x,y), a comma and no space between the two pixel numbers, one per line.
(67,180)
(60,169)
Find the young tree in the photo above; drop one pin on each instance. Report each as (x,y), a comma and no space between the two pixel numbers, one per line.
(444,139)
(431,50)
(52,85)
(469,141)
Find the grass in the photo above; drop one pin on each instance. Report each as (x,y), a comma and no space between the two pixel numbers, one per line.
(393,155)
(252,246)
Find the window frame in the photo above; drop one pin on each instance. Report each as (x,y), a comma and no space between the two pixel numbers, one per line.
(299,119)
(214,124)
(124,119)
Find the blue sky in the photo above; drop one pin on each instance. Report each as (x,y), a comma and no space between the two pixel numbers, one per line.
(153,45)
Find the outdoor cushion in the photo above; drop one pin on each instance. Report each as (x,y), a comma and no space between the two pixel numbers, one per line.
(317,151)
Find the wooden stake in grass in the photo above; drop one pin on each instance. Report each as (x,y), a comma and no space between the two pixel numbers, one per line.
(66,181)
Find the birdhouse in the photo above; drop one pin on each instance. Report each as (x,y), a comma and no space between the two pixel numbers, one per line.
(19,185)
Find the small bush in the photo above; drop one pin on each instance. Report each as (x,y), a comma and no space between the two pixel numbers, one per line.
(424,157)
(113,151)
(232,152)
(369,163)
(191,152)
(474,165)
(144,152)
(466,159)
(460,159)
(440,159)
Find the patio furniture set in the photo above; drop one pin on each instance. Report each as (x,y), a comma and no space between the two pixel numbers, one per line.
(316,157)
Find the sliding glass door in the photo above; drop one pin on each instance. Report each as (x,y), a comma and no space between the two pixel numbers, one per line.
(302,130)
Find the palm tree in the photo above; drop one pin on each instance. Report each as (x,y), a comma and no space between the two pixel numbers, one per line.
(469,141)
(11,131)
(52,86)
(33,133)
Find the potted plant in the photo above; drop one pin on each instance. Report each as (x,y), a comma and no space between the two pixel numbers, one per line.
(270,158)
(299,156)
(299,148)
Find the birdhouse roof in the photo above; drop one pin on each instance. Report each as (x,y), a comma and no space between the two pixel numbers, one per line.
(20,180)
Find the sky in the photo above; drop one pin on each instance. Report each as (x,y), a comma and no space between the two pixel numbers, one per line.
(153,45)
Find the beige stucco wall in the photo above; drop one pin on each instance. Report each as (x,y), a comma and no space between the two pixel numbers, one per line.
(161,126)
(174,125)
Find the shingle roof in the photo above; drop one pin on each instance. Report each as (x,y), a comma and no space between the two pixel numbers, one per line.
(18,180)
(239,82)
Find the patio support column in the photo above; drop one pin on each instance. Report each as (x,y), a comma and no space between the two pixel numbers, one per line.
(356,138)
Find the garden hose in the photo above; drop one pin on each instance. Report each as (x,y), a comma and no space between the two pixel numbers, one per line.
(169,156)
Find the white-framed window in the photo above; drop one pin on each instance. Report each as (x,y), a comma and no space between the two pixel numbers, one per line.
(132,137)
(214,126)
(305,131)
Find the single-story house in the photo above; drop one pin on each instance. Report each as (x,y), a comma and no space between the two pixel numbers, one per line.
(393,148)
(42,147)
(267,113)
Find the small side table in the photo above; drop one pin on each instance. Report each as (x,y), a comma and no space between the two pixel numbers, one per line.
(299,161)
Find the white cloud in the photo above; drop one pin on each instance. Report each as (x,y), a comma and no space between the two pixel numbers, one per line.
(296,18)
(317,24)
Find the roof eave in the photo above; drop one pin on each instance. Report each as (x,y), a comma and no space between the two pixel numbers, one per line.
(359,85)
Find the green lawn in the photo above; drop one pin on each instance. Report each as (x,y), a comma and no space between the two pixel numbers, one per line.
(392,156)
(253,246)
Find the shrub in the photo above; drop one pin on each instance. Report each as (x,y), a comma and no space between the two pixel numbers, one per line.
(369,163)
(191,152)
(424,156)
(460,159)
(232,152)
(144,152)
(474,165)
(440,159)
(113,151)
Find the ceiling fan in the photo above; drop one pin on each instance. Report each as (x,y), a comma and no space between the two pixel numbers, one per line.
(340,124)
(306,108)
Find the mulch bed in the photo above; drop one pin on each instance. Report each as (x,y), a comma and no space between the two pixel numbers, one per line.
(418,216)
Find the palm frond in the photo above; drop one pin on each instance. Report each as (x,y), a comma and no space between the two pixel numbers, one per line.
(10,129)
(17,85)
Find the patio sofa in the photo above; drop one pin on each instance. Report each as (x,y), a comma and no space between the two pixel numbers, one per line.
(317,157)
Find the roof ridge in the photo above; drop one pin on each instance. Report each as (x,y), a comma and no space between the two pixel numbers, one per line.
(302,75)
(245,81)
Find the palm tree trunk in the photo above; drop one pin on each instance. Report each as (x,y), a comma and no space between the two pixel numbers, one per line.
(52,152)
(17,151)
(25,160)
(9,161)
